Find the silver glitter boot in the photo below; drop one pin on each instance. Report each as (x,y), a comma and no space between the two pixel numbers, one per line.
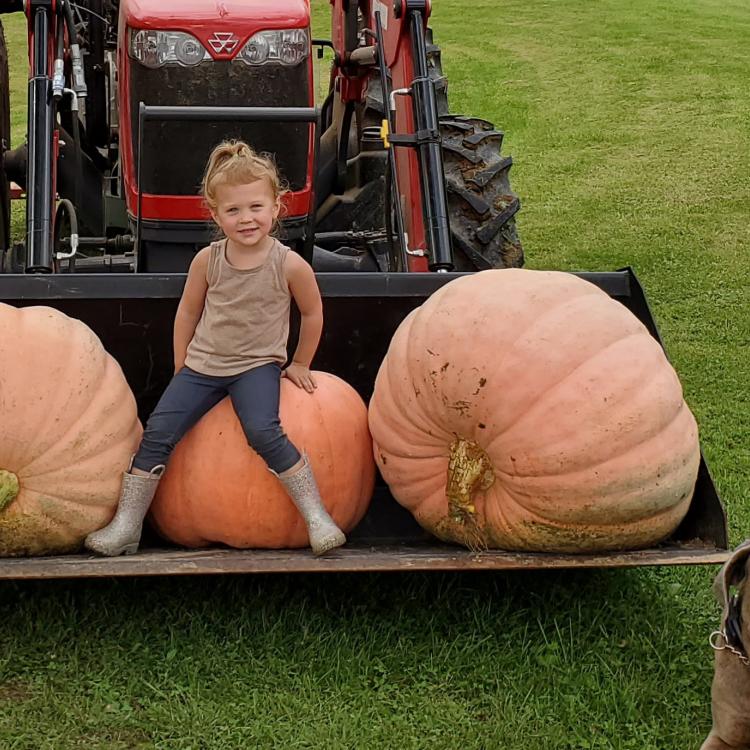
(123,534)
(301,486)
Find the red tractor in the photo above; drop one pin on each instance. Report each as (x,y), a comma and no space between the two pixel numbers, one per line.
(127,98)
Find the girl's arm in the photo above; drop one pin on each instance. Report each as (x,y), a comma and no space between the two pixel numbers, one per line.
(304,289)
(190,309)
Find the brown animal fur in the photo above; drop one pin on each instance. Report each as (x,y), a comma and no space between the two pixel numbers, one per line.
(730,693)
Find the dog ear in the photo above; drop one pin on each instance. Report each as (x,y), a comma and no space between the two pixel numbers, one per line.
(732,573)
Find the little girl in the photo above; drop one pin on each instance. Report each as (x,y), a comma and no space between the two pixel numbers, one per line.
(230,337)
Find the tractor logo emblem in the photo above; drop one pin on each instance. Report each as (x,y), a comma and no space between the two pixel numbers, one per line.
(223,42)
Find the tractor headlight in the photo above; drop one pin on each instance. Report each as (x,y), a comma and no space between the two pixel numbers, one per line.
(256,51)
(156,48)
(288,47)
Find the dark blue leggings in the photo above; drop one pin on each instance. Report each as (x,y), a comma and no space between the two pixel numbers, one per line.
(255,397)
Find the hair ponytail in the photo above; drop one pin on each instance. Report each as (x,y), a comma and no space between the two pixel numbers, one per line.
(236,163)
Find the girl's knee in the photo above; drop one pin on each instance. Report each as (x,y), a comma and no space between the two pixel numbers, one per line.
(273,446)
(264,438)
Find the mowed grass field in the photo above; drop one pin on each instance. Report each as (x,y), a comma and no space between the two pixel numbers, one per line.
(628,126)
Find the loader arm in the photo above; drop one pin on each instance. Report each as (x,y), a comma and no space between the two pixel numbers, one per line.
(395,31)
(42,22)
(56,86)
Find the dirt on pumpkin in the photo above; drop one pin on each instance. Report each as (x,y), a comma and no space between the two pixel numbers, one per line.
(23,536)
(574,539)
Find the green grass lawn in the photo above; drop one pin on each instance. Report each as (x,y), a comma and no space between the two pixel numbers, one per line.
(14,27)
(628,125)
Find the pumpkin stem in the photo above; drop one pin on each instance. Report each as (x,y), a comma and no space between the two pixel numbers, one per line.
(469,471)
(9,488)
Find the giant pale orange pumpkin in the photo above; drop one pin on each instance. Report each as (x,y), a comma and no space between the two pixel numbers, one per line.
(217,489)
(527,410)
(68,427)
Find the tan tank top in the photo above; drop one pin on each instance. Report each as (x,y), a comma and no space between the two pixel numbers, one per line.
(245,320)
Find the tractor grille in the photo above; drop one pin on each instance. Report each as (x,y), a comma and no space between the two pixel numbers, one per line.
(175,153)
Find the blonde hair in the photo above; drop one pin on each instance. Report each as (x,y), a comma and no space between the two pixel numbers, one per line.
(236,163)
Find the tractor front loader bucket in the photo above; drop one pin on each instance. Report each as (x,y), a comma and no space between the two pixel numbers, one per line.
(133,315)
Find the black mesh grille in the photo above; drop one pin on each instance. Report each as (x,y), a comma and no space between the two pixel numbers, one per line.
(175,153)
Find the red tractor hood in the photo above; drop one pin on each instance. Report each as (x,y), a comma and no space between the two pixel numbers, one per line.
(243,17)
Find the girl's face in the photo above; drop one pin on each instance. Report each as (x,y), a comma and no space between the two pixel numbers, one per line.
(246,213)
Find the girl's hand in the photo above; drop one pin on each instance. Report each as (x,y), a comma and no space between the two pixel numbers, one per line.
(300,376)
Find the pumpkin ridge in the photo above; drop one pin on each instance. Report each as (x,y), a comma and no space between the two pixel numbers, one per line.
(586,290)
(74,506)
(411,342)
(52,406)
(190,512)
(414,340)
(388,378)
(30,478)
(643,515)
(383,421)
(430,456)
(603,354)
(548,312)
(624,505)
(555,385)
(417,478)
(615,457)
(92,403)
(330,451)
(603,525)
(395,420)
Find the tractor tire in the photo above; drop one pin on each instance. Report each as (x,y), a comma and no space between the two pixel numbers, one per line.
(4,146)
(481,204)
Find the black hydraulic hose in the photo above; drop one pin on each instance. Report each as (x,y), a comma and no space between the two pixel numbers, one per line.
(60,38)
(70,21)
(66,207)
(78,77)
(392,185)
(342,152)
(389,215)
(429,153)
(67,8)
(78,157)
